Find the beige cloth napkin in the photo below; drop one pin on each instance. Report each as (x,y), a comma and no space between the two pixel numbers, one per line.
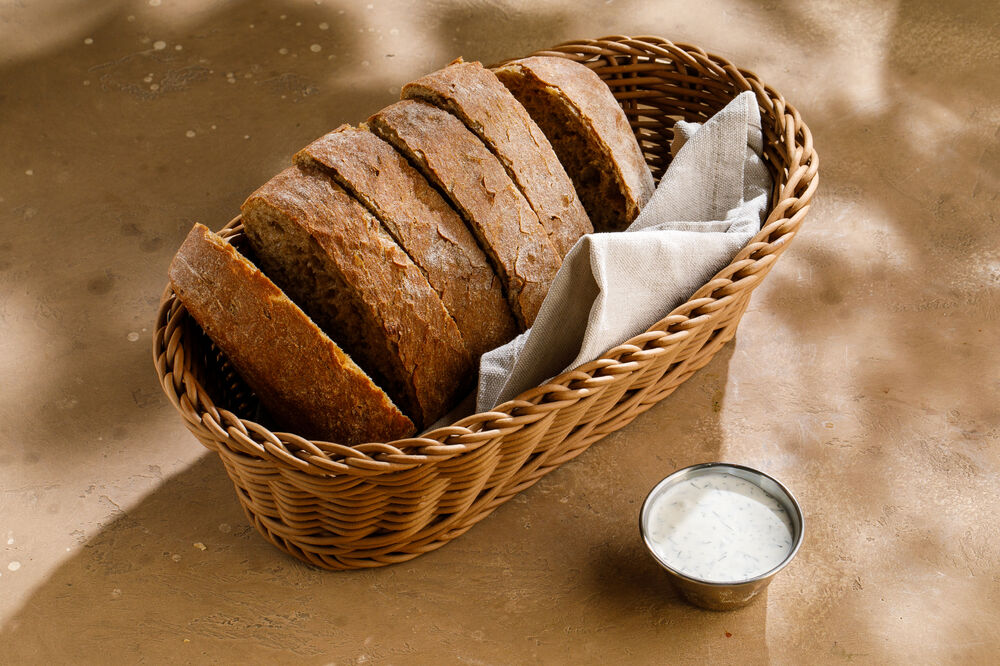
(612,286)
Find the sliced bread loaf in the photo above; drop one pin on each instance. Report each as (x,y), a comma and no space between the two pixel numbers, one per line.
(424,225)
(589,132)
(475,183)
(328,253)
(477,97)
(302,377)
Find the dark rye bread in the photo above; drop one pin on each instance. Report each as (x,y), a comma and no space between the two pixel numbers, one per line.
(477,97)
(330,255)
(468,174)
(589,132)
(424,225)
(301,376)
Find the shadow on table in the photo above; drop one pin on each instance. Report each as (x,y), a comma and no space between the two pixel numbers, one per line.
(183,575)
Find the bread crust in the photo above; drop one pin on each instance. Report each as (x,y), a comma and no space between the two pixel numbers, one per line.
(364,290)
(303,379)
(574,94)
(468,174)
(424,225)
(475,95)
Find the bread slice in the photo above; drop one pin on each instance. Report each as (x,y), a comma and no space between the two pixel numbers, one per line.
(487,108)
(329,254)
(424,225)
(302,378)
(589,132)
(462,168)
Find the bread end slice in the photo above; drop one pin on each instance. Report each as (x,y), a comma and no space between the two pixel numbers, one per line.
(304,380)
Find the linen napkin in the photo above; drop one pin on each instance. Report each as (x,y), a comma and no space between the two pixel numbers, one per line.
(612,286)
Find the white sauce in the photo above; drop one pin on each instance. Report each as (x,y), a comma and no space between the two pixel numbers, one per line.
(719,528)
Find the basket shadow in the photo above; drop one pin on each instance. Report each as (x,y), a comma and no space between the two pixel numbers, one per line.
(183,570)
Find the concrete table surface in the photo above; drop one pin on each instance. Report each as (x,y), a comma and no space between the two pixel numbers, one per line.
(864,375)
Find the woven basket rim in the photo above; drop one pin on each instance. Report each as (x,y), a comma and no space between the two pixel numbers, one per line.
(794,186)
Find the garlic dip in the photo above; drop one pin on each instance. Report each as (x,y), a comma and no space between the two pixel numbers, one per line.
(719,528)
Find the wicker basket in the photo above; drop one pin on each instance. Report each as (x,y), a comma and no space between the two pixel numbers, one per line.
(341,507)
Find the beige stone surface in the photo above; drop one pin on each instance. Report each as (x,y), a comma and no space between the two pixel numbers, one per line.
(864,376)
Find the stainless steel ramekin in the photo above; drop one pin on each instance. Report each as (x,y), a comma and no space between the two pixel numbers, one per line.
(733,594)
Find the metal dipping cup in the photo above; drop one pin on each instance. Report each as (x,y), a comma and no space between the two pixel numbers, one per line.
(732,594)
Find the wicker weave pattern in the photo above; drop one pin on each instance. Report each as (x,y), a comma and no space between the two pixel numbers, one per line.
(342,507)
